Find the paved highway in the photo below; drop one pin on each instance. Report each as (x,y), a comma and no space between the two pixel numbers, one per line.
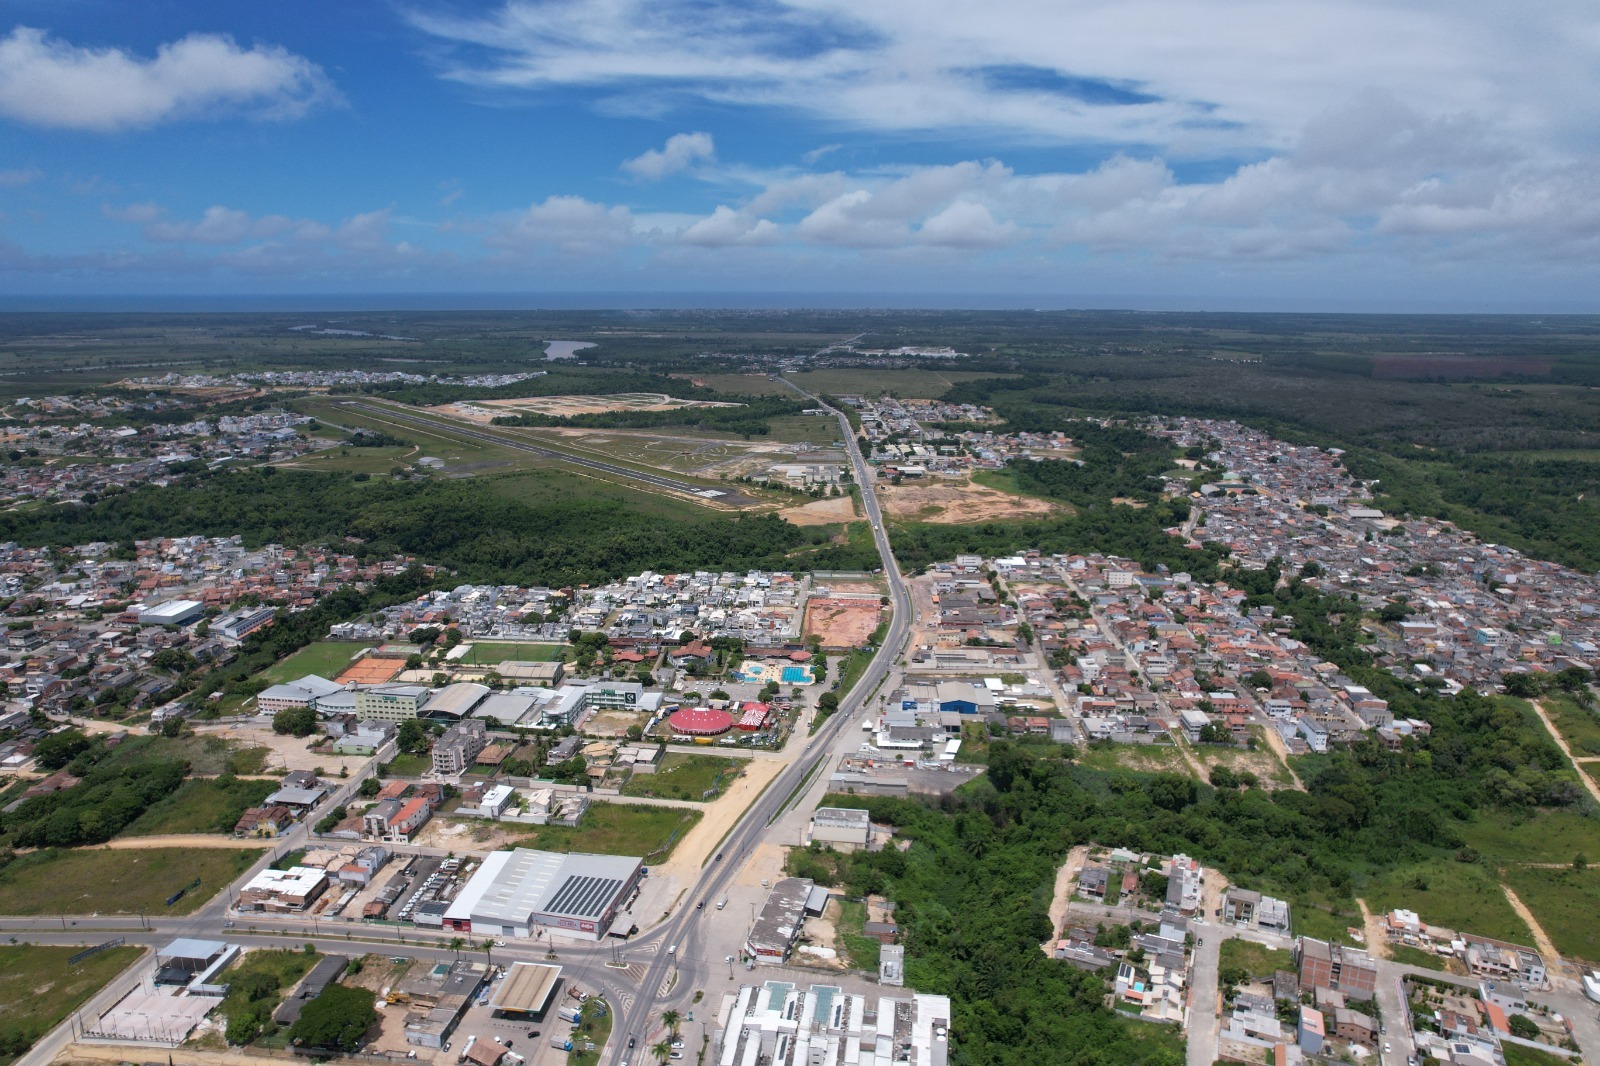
(687,929)
(732,499)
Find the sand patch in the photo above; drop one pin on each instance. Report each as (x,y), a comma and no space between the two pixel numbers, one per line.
(958,504)
(823,512)
(842,623)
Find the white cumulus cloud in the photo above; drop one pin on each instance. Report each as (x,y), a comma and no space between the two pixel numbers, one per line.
(682,150)
(52,83)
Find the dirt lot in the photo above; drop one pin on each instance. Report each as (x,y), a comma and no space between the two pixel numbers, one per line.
(822,512)
(286,753)
(957,504)
(842,623)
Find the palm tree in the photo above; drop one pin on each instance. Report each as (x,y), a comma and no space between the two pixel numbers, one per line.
(670,1019)
(661,1051)
(456,944)
(488,950)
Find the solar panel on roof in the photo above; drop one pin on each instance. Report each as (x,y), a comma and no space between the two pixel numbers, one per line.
(583,896)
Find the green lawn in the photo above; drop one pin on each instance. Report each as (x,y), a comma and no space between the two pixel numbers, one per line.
(1578,727)
(358,460)
(105,881)
(617,829)
(685,777)
(201,805)
(38,988)
(1565,902)
(1254,959)
(325,658)
(489,653)
(535,487)
(906,384)
(1460,896)
(206,755)
(1542,836)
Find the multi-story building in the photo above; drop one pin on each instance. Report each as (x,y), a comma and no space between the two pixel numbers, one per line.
(1325,965)
(457,751)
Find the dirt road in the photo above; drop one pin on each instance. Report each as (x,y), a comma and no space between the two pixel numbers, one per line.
(1555,734)
(187,840)
(1541,940)
(1063,891)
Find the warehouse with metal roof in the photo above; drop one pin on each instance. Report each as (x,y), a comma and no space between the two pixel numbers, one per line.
(516,892)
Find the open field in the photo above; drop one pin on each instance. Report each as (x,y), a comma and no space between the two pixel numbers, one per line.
(686,777)
(1254,959)
(957,503)
(1578,727)
(553,485)
(281,966)
(905,384)
(842,623)
(742,384)
(201,805)
(325,658)
(489,653)
(1542,836)
(825,512)
(617,829)
(1262,762)
(103,881)
(358,460)
(1517,1055)
(1457,895)
(38,988)
(1140,758)
(206,755)
(1564,901)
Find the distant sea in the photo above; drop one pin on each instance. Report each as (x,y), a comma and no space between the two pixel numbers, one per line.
(751,301)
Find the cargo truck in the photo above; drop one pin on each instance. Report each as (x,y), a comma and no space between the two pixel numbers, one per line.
(571,1014)
(560,1043)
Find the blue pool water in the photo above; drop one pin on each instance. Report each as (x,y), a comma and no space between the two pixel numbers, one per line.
(796,675)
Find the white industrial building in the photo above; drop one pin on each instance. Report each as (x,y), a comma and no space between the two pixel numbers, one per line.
(780,1024)
(516,892)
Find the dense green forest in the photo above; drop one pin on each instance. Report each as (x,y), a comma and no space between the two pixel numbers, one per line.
(480,535)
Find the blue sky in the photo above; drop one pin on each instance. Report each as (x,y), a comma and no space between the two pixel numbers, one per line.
(1326,153)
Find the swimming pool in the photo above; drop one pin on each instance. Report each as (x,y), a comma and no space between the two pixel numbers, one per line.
(797,675)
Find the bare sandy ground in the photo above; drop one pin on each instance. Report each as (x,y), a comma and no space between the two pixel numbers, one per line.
(562,406)
(287,753)
(1063,890)
(842,623)
(691,854)
(958,504)
(822,512)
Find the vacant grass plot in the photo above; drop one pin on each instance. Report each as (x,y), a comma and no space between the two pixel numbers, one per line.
(1517,1055)
(102,881)
(686,777)
(38,987)
(1140,758)
(256,985)
(1504,838)
(201,805)
(1565,902)
(1578,727)
(1461,896)
(616,829)
(536,487)
(206,755)
(1254,959)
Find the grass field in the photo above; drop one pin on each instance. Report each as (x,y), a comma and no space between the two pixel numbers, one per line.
(206,755)
(744,384)
(1254,959)
(103,881)
(1140,758)
(1406,955)
(906,384)
(489,653)
(1543,836)
(1578,727)
(404,765)
(358,460)
(593,1028)
(1460,896)
(38,988)
(536,487)
(685,777)
(1565,902)
(859,950)
(200,806)
(1517,1055)
(617,829)
(325,658)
